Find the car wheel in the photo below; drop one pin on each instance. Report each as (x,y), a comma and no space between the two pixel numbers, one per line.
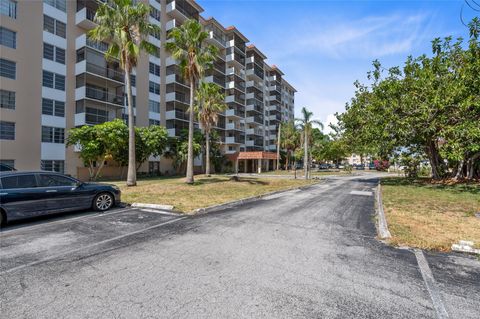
(103,202)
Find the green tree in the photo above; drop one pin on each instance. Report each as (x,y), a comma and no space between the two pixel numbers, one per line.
(188,47)
(177,149)
(210,102)
(306,124)
(430,105)
(124,25)
(98,143)
(290,140)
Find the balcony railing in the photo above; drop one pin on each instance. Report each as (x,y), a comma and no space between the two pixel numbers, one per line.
(101,95)
(105,72)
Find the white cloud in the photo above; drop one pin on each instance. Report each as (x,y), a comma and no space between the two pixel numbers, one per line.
(370,37)
(331,119)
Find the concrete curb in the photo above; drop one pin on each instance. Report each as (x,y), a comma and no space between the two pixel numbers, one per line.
(168,208)
(383,231)
(238,202)
(465,246)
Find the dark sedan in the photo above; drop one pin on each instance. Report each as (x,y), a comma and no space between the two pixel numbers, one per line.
(30,194)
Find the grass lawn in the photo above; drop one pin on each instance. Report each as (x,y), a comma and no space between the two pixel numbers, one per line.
(206,191)
(431,216)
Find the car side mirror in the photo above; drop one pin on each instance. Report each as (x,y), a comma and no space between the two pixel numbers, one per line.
(78,184)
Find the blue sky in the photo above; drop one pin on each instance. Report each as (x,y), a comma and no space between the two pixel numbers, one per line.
(324,46)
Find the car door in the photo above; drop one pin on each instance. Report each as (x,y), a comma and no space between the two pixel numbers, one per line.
(21,197)
(63,193)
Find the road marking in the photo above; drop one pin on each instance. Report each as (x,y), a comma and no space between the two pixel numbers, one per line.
(89,246)
(431,285)
(62,220)
(363,193)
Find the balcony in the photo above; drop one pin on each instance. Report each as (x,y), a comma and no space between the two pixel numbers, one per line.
(181,10)
(89,92)
(178,97)
(234,126)
(233,140)
(254,120)
(84,18)
(254,108)
(216,39)
(177,114)
(105,72)
(234,113)
(254,131)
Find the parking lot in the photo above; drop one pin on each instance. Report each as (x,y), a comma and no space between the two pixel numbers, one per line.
(38,240)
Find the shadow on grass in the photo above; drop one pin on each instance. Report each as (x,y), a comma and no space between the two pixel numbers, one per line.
(427,183)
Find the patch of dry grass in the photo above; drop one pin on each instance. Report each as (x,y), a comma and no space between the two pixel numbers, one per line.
(431,216)
(206,191)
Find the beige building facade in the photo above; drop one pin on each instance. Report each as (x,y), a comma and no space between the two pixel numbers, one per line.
(54,78)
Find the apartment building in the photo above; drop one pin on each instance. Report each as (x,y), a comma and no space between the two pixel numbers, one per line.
(53,78)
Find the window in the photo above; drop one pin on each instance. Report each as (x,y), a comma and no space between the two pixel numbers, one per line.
(53,135)
(54,26)
(52,166)
(7,130)
(59,4)
(59,82)
(53,107)
(7,99)
(153,122)
(46,180)
(8,162)
(53,53)
(53,80)
(8,69)
(133,79)
(8,8)
(154,69)
(8,38)
(153,106)
(154,87)
(19,181)
(154,13)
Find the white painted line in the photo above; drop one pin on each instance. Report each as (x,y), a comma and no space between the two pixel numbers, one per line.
(156,211)
(66,219)
(362,193)
(89,246)
(431,285)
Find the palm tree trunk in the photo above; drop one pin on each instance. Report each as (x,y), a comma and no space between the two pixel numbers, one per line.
(305,155)
(207,151)
(189,177)
(132,172)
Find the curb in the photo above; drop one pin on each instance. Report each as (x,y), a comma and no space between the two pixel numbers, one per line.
(238,202)
(153,206)
(465,246)
(383,231)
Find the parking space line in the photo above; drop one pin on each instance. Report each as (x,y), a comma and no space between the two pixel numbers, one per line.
(89,246)
(6,232)
(431,285)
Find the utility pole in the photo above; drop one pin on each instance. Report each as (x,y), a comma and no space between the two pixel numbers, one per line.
(278,146)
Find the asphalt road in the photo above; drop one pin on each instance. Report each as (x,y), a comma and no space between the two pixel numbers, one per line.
(301,254)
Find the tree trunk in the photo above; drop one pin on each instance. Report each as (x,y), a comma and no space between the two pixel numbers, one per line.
(459,173)
(278,146)
(189,177)
(435,161)
(132,172)
(287,160)
(305,155)
(471,165)
(207,155)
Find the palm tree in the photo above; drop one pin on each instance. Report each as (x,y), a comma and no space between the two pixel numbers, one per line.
(124,26)
(290,139)
(306,124)
(188,48)
(210,102)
